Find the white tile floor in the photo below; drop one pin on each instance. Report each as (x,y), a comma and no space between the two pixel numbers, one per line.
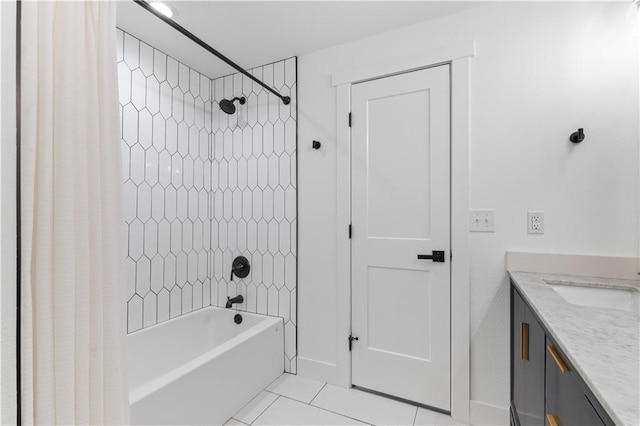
(295,400)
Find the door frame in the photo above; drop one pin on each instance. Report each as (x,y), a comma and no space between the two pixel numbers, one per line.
(458,56)
(9,212)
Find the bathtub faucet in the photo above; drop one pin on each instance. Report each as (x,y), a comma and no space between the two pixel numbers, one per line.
(232,300)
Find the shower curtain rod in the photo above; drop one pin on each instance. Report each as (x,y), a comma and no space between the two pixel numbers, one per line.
(285,99)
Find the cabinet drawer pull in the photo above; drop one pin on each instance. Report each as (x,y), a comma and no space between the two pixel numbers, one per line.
(524,341)
(553,420)
(558,359)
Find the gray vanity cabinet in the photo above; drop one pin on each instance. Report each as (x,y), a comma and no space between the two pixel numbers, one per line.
(545,388)
(593,414)
(563,392)
(568,401)
(527,364)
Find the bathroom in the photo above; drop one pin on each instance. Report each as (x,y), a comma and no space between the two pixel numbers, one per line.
(239,166)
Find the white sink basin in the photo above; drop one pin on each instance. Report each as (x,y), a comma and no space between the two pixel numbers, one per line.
(625,299)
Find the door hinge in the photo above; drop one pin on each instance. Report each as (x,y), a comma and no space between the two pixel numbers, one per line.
(350,231)
(450,255)
(351,339)
(349,119)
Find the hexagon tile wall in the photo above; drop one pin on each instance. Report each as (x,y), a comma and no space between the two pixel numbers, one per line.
(202,187)
(253,182)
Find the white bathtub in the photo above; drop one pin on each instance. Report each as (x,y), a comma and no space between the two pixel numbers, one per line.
(201,368)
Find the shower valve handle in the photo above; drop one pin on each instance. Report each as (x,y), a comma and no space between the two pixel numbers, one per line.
(240,267)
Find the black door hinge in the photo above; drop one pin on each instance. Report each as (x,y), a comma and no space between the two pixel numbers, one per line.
(450,255)
(349,119)
(351,339)
(349,231)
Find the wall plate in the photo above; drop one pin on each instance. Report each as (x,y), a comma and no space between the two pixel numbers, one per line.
(482,221)
(535,222)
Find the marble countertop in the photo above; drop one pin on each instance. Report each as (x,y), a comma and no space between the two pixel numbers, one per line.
(602,344)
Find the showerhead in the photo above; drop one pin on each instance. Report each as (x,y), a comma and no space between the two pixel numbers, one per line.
(227,105)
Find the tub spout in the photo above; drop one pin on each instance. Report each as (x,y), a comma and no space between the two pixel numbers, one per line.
(232,300)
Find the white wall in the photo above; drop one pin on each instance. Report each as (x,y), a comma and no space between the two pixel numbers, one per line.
(541,71)
(8,404)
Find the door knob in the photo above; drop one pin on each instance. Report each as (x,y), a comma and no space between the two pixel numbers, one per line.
(436,256)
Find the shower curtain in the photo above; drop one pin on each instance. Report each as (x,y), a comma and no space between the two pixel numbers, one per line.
(72,320)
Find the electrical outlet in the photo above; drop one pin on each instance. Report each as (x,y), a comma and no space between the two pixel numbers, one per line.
(535,222)
(482,221)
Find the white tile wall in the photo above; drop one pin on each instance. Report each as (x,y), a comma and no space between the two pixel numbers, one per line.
(253,181)
(202,187)
(166,125)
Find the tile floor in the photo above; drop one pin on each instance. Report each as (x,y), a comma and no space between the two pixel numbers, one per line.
(295,400)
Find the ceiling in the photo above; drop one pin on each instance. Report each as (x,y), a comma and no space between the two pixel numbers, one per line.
(253,33)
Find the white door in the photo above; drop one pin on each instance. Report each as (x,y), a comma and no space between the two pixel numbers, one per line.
(400,209)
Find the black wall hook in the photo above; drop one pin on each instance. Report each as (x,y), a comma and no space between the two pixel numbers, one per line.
(577,137)
(316,145)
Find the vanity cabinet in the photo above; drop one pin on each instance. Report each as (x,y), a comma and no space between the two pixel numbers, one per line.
(545,388)
(563,394)
(527,363)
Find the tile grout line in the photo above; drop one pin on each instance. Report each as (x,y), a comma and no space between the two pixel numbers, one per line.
(362,421)
(326,409)
(329,411)
(263,411)
(275,393)
(318,393)
(243,407)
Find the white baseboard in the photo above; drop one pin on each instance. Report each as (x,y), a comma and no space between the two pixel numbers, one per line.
(626,268)
(481,413)
(320,370)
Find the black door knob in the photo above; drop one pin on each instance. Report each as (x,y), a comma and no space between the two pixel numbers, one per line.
(436,256)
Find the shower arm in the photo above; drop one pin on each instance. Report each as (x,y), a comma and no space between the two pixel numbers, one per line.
(143,3)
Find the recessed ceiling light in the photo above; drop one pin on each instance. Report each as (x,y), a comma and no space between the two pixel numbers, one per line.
(164,8)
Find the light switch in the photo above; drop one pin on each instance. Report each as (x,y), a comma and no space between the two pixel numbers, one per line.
(482,221)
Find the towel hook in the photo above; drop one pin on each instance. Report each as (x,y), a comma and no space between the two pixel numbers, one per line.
(577,137)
